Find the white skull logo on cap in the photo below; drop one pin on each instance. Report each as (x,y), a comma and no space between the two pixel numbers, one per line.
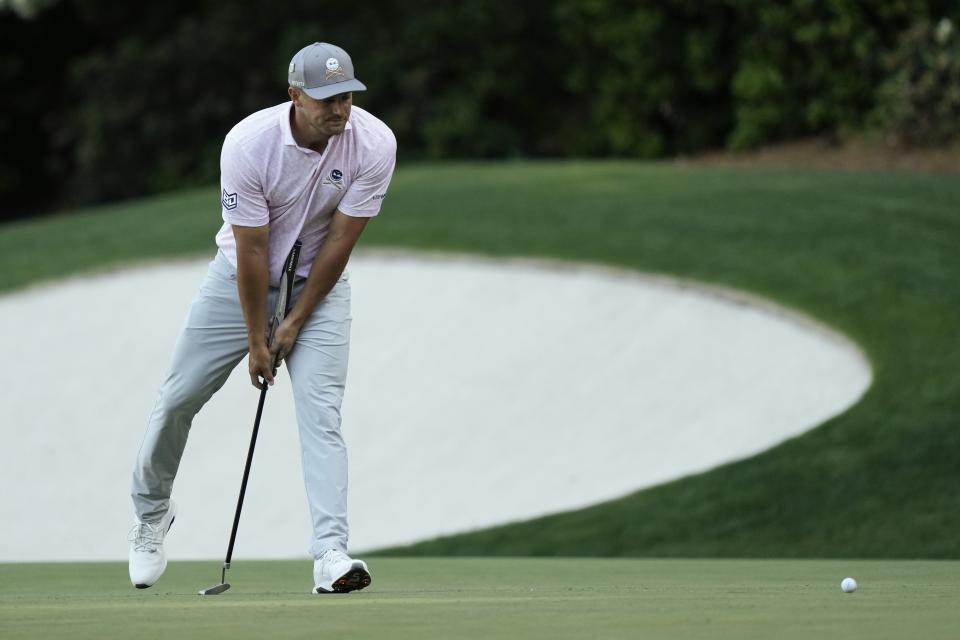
(333,68)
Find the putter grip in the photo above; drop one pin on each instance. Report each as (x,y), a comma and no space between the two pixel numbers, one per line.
(283,299)
(271,334)
(286,283)
(290,271)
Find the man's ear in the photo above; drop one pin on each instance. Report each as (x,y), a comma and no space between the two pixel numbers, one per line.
(294,94)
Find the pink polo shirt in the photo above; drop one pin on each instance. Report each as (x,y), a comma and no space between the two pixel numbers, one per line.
(265,178)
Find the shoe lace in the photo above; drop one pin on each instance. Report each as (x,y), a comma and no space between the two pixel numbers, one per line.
(146,537)
(334,555)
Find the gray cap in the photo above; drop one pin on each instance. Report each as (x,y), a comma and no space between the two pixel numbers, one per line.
(322,70)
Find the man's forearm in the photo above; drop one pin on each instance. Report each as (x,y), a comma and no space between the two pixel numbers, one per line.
(328,266)
(252,281)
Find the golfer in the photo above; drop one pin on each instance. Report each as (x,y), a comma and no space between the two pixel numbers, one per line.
(313,169)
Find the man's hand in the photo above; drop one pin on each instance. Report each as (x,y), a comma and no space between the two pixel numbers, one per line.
(285,338)
(260,365)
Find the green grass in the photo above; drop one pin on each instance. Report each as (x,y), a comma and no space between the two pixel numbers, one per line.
(493,598)
(103,237)
(875,255)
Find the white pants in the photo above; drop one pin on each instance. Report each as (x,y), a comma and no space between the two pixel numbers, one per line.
(213,341)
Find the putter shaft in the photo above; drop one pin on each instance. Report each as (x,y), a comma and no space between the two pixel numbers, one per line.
(283,307)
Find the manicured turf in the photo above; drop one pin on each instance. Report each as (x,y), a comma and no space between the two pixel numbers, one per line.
(875,255)
(493,598)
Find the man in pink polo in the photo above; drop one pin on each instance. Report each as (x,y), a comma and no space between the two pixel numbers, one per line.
(314,169)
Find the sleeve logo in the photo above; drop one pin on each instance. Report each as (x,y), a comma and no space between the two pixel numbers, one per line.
(228,200)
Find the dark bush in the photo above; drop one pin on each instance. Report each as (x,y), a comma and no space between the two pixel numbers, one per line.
(919,103)
(107,100)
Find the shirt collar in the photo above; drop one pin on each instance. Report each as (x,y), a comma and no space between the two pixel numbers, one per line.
(288,132)
(285,125)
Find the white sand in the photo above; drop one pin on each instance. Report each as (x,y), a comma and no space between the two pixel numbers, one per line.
(480,392)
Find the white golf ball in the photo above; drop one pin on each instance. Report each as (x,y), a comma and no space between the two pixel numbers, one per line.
(849,585)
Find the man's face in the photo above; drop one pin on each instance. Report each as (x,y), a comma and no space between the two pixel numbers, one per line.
(326,117)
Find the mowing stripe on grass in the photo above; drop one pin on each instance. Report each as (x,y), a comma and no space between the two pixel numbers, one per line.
(485,598)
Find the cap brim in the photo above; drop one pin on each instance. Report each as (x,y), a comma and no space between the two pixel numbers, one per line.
(330,90)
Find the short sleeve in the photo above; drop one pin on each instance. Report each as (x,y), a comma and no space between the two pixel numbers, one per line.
(365,195)
(241,191)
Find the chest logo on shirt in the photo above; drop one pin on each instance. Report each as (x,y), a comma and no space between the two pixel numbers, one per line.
(228,200)
(335,179)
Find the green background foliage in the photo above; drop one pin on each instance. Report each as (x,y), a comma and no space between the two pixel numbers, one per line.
(108,100)
(919,103)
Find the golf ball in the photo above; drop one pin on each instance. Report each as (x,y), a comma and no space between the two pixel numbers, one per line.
(849,585)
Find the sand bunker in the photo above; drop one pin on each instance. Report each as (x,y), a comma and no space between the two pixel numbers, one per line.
(480,392)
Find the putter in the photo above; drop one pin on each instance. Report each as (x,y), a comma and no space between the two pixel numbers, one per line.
(279,313)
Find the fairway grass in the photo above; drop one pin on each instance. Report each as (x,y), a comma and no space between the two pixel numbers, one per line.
(492,598)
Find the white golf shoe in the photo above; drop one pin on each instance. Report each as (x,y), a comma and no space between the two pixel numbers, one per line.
(336,572)
(147,558)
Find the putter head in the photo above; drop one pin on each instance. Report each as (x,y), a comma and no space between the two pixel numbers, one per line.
(212,591)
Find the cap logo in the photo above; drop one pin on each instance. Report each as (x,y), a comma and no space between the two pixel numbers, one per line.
(333,68)
(293,67)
